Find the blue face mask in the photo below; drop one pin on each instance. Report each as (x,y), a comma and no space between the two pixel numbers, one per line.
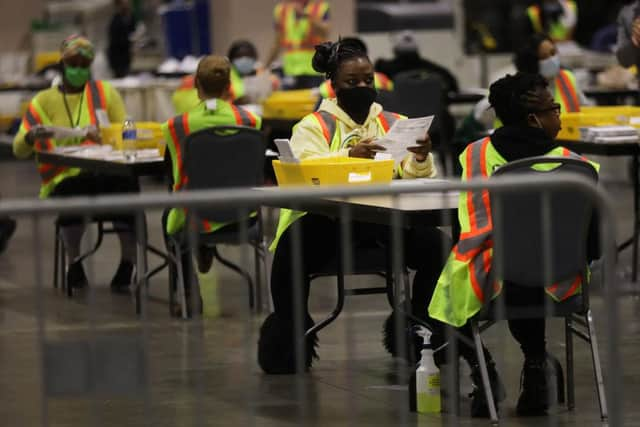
(550,67)
(245,65)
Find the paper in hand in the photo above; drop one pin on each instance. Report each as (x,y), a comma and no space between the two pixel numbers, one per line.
(404,134)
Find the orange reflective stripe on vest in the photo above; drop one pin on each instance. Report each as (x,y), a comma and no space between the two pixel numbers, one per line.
(328,123)
(567,92)
(243,117)
(95,99)
(179,128)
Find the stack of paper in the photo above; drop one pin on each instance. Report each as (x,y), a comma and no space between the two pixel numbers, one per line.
(610,134)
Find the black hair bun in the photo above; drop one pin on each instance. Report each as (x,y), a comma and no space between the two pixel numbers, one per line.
(322,58)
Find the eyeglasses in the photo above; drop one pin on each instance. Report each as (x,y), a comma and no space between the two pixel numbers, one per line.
(557,108)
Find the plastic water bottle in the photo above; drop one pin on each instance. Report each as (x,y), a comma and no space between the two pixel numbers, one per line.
(129,138)
(427,378)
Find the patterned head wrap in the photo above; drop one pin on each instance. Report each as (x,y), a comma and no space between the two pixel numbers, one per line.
(77,45)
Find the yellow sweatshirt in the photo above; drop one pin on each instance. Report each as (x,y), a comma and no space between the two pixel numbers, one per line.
(308,140)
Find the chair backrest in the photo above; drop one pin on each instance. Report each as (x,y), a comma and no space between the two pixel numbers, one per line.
(418,93)
(520,220)
(224,157)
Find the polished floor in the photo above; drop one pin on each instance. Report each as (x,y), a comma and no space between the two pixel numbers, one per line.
(91,361)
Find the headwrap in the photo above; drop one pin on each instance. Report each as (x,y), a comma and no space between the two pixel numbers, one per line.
(77,45)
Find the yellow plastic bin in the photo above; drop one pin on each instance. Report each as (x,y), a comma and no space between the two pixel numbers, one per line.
(149,136)
(598,116)
(290,104)
(334,171)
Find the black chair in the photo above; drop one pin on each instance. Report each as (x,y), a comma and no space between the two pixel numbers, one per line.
(419,93)
(224,157)
(60,261)
(540,237)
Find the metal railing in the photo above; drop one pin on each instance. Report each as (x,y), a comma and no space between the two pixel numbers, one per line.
(96,355)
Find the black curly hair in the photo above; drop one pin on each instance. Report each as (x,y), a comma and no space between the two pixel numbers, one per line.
(237,45)
(526,58)
(329,56)
(514,97)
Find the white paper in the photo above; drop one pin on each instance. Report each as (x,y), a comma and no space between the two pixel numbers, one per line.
(286,153)
(404,134)
(60,132)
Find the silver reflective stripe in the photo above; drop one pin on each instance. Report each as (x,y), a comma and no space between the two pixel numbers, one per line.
(468,244)
(94,93)
(561,80)
(30,118)
(479,211)
(330,122)
(244,115)
(390,118)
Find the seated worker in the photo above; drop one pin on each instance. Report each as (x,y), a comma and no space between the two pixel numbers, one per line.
(300,25)
(558,18)
(76,103)
(531,122)
(538,55)
(380,81)
(212,80)
(345,126)
(244,63)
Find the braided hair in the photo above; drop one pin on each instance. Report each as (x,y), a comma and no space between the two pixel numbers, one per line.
(526,58)
(238,45)
(329,56)
(514,97)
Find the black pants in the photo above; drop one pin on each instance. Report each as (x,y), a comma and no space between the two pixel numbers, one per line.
(529,333)
(425,251)
(90,184)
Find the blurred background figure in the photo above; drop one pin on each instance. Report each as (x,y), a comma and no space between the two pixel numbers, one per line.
(558,18)
(407,58)
(628,48)
(300,26)
(121,28)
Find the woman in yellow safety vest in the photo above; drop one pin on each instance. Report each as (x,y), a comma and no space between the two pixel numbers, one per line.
(539,55)
(77,103)
(531,122)
(557,18)
(212,81)
(345,126)
(300,25)
(380,80)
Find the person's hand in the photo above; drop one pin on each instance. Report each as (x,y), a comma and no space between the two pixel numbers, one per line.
(37,133)
(635,32)
(365,149)
(93,135)
(422,150)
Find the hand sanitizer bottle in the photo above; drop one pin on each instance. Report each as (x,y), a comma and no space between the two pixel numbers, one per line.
(427,378)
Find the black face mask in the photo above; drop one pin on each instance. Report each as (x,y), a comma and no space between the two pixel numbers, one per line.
(356,102)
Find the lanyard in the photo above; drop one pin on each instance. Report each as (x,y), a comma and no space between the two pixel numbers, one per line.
(69,115)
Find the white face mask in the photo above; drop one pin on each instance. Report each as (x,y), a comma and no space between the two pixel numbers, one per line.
(550,67)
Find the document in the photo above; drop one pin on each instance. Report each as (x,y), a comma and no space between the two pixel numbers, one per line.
(402,135)
(60,132)
(286,153)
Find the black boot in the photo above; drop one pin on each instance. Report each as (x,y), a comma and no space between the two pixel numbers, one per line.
(412,340)
(124,278)
(541,384)
(277,346)
(479,405)
(7,228)
(76,278)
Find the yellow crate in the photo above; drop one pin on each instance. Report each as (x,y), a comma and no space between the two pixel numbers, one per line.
(149,136)
(597,116)
(334,171)
(290,105)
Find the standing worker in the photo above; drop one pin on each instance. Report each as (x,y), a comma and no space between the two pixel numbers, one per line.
(558,18)
(122,25)
(75,104)
(212,81)
(300,26)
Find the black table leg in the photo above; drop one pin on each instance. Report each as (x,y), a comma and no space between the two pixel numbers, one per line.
(636,209)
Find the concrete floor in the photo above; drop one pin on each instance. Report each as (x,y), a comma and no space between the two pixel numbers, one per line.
(91,362)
